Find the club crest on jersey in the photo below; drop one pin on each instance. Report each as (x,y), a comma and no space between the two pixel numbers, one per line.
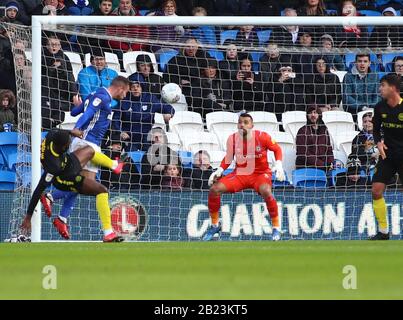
(384,115)
(129,218)
(258,149)
(96,102)
(145,107)
(400,116)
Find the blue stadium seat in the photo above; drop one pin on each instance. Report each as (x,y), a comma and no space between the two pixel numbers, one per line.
(164,57)
(136,157)
(277,183)
(144,12)
(264,36)
(8,145)
(216,54)
(331,11)
(186,158)
(370,13)
(228,34)
(309,178)
(12,161)
(387,59)
(7,180)
(43,134)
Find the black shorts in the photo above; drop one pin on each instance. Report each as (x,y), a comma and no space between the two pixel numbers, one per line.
(385,170)
(70,179)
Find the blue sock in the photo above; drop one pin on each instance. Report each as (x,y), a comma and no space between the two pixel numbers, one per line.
(59,194)
(68,204)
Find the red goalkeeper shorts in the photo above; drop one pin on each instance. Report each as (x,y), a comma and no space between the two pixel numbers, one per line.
(235,183)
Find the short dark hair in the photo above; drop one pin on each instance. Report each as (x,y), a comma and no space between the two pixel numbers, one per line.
(246,115)
(359,55)
(392,79)
(61,139)
(120,80)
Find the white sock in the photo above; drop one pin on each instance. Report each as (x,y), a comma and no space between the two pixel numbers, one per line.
(384,231)
(115,164)
(107,232)
(215,225)
(63,219)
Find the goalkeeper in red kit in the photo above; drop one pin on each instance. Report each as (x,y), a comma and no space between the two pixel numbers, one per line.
(248,148)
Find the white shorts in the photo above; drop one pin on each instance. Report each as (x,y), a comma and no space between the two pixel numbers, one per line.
(78,143)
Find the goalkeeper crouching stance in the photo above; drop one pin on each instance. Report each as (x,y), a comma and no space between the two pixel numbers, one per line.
(388,135)
(62,169)
(248,148)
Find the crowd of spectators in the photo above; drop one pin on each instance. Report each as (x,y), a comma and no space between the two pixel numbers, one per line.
(294,69)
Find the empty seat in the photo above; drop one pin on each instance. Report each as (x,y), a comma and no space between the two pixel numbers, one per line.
(263,36)
(137,157)
(186,123)
(228,35)
(265,121)
(222,124)
(163,57)
(286,142)
(69,121)
(8,147)
(387,60)
(130,58)
(338,122)
(181,105)
(173,141)
(216,158)
(159,121)
(293,121)
(309,178)
(186,158)
(360,115)
(7,180)
(200,141)
(75,61)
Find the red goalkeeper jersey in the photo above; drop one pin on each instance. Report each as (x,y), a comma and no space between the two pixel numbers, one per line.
(250,155)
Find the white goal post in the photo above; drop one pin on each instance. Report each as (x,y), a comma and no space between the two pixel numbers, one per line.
(39,21)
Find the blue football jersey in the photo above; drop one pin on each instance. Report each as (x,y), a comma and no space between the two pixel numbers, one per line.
(97,116)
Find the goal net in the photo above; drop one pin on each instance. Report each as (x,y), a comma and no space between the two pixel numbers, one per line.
(321,72)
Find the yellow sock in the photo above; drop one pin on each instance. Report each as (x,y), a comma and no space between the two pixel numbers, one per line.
(104,212)
(102,160)
(380,214)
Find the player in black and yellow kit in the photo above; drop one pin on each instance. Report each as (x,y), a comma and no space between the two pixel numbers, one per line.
(62,169)
(388,135)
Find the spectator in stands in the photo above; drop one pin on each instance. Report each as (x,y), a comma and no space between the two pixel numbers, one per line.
(196,178)
(24,9)
(126,8)
(185,8)
(363,146)
(230,65)
(314,149)
(23,70)
(352,178)
(304,61)
(96,75)
(286,35)
(247,89)
(97,3)
(51,8)
(185,70)
(205,34)
(12,13)
(172,179)
(214,95)
(351,35)
(163,33)
(151,82)
(7,111)
(334,60)
(387,36)
(79,7)
(157,157)
(312,8)
(246,38)
(134,120)
(360,86)
(271,61)
(325,88)
(104,8)
(264,8)
(7,79)
(227,7)
(286,92)
(58,84)
(398,69)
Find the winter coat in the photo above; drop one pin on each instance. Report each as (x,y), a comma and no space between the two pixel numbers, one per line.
(324,89)
(360,91)
(151,84)
(90,79)
(314,148)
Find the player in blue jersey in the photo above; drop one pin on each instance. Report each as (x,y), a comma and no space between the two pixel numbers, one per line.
(90,129)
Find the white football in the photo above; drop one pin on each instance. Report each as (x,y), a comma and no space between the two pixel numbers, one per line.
(171,93)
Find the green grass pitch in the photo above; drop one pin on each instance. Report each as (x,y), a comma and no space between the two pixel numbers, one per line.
(194,270)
